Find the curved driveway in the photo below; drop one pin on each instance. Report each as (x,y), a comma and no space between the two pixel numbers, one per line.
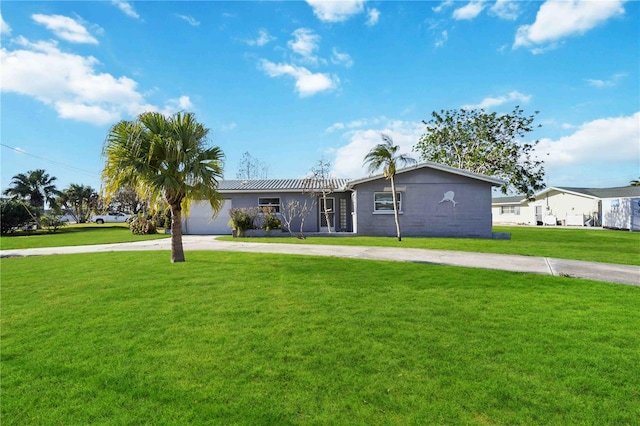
(622,274)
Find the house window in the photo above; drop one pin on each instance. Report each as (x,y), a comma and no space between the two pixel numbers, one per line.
(383,202)
(343,213)
(510,210)
(273,204)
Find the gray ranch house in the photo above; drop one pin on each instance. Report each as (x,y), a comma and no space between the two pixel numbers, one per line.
(434,200)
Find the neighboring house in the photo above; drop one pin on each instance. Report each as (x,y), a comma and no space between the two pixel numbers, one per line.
(606,207)
(434,200)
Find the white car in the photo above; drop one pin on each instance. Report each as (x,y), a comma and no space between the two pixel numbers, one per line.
(110,217)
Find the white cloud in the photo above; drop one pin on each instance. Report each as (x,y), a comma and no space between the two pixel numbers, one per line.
(341,58)
(307,83)
(490,102)
(373,17)
(305,44)
(228,127)
(468,12)
(190,20)
(4,27)
(70,84)
(611,82)
(613,139)
(445,4)
(86,113)
(355,124)
(334,127)
(505,9)
(183,103)
(65,28)
(263,38)
(336,11)
(440,41)
(126,8)
(558,19)
(348,158)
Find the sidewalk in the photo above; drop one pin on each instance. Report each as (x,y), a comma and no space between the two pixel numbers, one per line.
(622,274)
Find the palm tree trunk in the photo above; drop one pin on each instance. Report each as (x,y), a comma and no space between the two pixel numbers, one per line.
(395,208)
(177,251)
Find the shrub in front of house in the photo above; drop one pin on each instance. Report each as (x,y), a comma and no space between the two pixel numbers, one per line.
(242,220)
(270,221)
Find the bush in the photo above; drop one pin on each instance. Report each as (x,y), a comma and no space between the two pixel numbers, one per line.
(242,219)
(269,220)
(161,219)
(14,215)
(51,222)
(141,225)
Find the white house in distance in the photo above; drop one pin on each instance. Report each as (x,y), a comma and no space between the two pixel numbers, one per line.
(433,200)
(615,208)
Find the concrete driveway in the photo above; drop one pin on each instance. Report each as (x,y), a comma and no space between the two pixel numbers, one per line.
(622,274)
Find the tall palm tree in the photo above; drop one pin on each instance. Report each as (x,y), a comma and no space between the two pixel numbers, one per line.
(386,155)
(164,158)
(35,186)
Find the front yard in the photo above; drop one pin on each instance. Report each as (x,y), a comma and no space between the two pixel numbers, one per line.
(236,338)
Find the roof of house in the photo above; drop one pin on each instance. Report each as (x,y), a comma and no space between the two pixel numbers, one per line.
(280,185)
(516,199)
(619,191)
(434,166)
(337,184)
(599,193)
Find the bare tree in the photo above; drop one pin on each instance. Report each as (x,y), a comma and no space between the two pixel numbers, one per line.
(251,168)
(292,210)
(321,184)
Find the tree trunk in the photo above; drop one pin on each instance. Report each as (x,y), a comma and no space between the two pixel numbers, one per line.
(395,208)
(326,212)
(177,252)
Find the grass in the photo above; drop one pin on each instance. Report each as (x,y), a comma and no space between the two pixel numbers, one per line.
(239,338)
(74,235)
(595,245)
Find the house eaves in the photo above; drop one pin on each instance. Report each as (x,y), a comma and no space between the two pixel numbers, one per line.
(435,166)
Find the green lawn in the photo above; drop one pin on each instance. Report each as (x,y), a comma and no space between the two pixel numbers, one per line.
(595,245)
(239,338)
(74,235)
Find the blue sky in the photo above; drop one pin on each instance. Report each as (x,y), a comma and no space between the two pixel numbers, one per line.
(295,82)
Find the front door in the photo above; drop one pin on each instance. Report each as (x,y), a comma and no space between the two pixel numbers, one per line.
(331,213)
(538,213)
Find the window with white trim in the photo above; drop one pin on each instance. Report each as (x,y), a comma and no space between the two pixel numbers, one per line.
(271,203)
(510,210)
(383,202)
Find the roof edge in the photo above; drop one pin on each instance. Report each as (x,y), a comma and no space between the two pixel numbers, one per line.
(429,164)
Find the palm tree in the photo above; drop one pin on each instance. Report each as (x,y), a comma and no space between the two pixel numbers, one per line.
(80,199)
(386,155)
(164,158)
(36,186)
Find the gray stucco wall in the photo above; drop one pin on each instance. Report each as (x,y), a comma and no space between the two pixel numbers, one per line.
(424,213)
(312,221)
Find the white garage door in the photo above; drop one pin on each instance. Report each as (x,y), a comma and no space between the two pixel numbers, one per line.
(199,221)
